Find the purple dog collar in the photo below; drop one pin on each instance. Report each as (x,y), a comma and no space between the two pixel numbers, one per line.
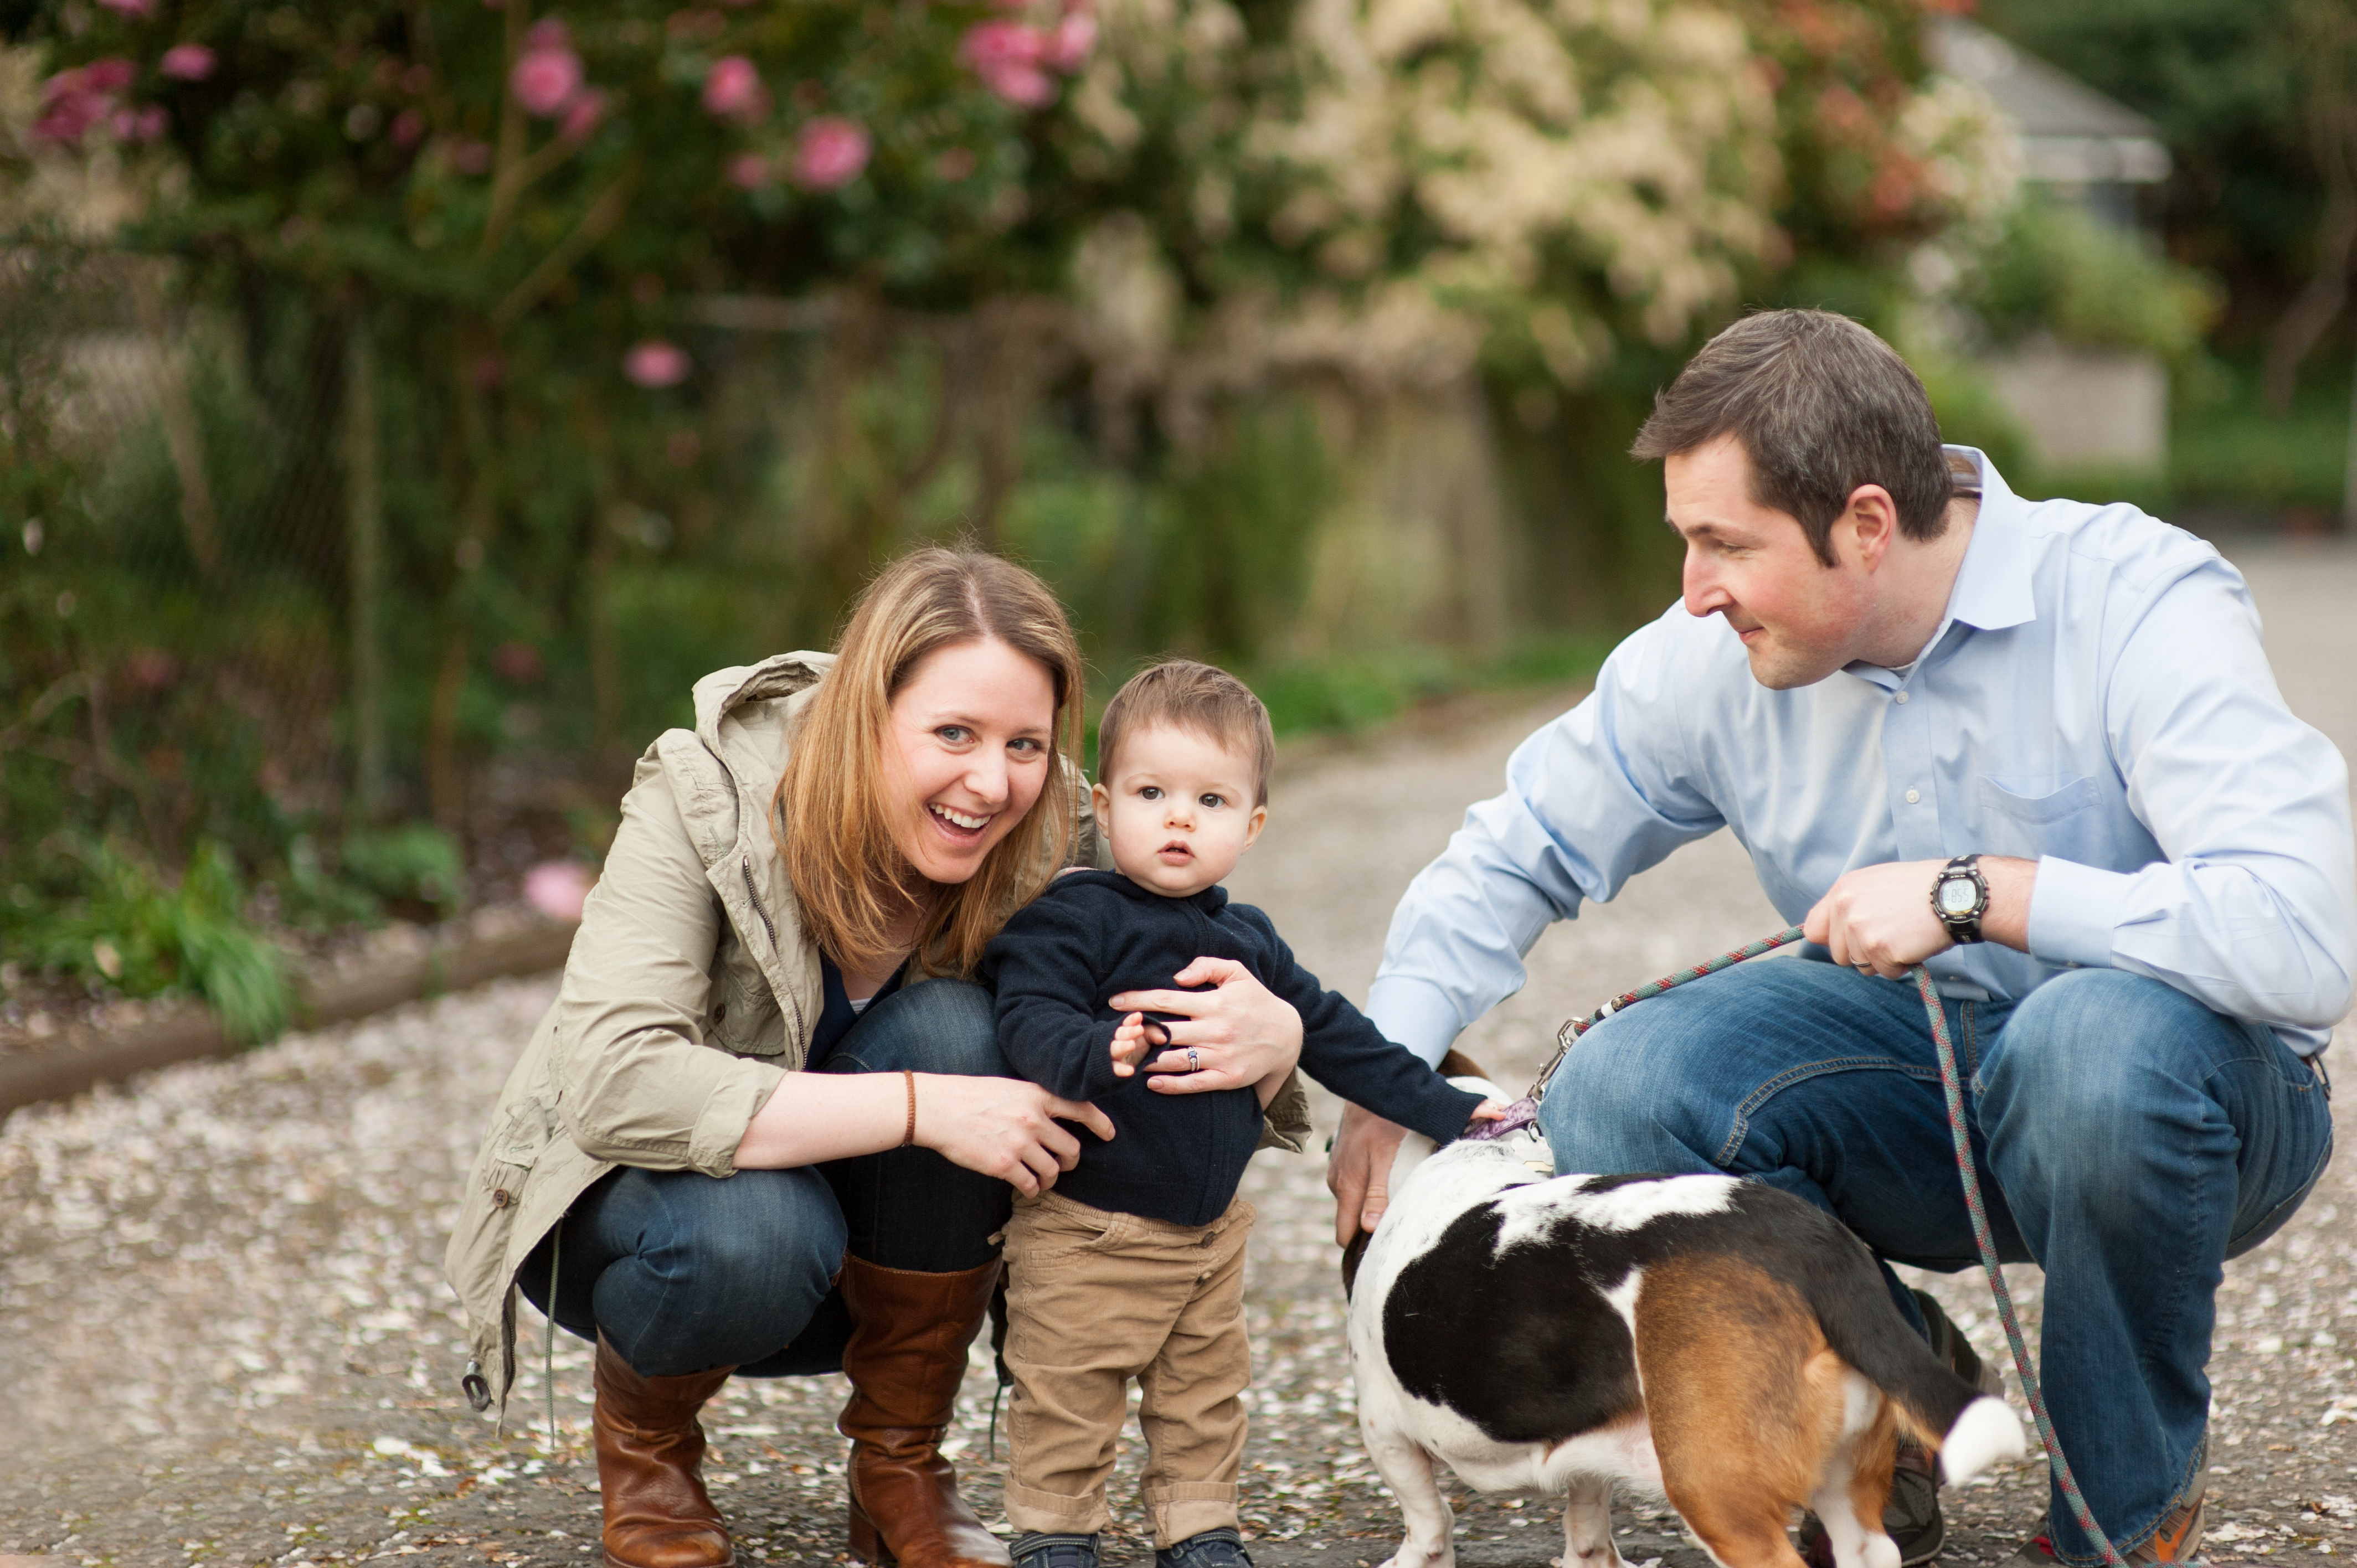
(1521,1114)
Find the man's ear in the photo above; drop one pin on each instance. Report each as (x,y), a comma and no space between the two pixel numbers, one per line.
(1873,520)
(1100,799)
(1253,827)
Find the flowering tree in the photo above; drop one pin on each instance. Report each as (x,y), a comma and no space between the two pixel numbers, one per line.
(519,234)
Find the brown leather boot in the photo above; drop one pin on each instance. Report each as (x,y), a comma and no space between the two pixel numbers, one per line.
(648,1449)
(905,1359)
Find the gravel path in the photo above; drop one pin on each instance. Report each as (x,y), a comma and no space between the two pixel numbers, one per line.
(226,1339)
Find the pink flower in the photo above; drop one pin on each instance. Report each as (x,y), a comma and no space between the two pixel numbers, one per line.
(186,62)
(546,80)
(130,8)
(992,44)
(1007,55)
(408,126)
(1076,35)
(749,171)
(1025,86)
(583,115)
(111,74)
(655,363)
(733,89)
(73,102)
(558,888)
(830,153)
(139,125)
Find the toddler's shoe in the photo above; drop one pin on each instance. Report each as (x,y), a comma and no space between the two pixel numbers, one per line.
(1035,1550)
(1220,1547)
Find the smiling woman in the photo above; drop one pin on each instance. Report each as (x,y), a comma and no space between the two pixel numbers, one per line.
(767,1129)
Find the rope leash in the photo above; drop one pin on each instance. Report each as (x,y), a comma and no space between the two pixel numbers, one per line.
(1952,1086)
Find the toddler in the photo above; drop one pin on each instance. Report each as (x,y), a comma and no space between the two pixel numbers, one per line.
(1132,1266)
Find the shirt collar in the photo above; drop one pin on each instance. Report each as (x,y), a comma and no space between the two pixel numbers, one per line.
(1994,587)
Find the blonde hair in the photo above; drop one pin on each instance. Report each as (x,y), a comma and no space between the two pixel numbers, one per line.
(845,865)
(1200,698)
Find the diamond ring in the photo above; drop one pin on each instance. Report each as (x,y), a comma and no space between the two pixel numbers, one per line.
(1194,1062)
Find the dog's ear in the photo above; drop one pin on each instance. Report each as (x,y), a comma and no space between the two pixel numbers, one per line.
(1352,1254)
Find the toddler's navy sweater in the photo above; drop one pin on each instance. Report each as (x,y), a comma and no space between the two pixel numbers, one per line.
(1095,934)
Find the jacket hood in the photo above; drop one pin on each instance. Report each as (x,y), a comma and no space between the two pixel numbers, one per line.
(722,691)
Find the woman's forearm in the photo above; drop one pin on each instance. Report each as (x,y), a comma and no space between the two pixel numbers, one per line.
(813,1117)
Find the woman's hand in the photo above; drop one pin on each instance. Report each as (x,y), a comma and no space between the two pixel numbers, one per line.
(1232,1037)
(1002,1127)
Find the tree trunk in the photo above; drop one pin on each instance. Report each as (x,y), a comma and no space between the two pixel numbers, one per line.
(2328,40)
(365,501)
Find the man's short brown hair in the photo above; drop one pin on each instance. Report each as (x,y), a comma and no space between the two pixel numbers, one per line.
(1820,405)
(1189,695)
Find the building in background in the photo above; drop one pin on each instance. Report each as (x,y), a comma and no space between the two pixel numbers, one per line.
(2078,407)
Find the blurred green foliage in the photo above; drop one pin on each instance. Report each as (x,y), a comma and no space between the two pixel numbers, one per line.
(2219,78)
(414,863)
(111,917)
(2055,269)
(655,387)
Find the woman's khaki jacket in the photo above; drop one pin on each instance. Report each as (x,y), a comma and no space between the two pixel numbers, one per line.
(691,992)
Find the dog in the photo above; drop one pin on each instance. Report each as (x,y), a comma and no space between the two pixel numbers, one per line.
(1711,1341)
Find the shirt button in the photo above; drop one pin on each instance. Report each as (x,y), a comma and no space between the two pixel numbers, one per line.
(500,1199)
(1899,698)
(1913,796)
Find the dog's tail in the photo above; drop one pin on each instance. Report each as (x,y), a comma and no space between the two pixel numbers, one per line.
(1967,1429)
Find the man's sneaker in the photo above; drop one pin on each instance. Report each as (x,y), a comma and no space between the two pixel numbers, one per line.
(1222,1548)
(2176,1540)
(1949,1343)
(1034,1550)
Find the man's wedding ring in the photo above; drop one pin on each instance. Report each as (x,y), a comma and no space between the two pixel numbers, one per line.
(1194,1062)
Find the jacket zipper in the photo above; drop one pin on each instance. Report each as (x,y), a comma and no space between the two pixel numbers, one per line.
(744,864)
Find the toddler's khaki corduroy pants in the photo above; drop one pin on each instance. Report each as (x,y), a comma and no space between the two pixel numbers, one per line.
(1093,1300)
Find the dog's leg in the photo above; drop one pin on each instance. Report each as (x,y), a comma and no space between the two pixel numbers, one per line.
(1851,1497)
(1587,1524)
(1411,1473)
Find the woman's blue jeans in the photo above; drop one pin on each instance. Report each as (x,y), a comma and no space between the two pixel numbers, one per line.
(682,1272)
(2129,1140)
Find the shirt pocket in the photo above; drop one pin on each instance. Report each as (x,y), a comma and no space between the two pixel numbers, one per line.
(2039,802)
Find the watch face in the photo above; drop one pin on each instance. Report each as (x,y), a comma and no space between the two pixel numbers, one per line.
(1957,895)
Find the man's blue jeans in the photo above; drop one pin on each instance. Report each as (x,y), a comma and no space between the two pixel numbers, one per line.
(2139,1140)
(683,1271)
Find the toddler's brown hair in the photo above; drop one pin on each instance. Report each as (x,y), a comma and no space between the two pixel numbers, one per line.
(1194,696)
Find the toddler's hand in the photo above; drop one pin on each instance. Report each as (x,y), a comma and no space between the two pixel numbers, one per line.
(1495,1117)
(1131,1041)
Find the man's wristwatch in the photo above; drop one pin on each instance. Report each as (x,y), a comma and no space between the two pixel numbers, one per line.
(1960,897)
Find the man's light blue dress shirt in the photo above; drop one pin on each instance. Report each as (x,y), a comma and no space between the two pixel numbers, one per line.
(2095,699)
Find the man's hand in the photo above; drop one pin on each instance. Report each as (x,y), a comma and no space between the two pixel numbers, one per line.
(1359,1172)
(1878,919)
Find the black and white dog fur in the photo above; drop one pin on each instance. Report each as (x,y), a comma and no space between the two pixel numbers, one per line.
(1714,1342)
